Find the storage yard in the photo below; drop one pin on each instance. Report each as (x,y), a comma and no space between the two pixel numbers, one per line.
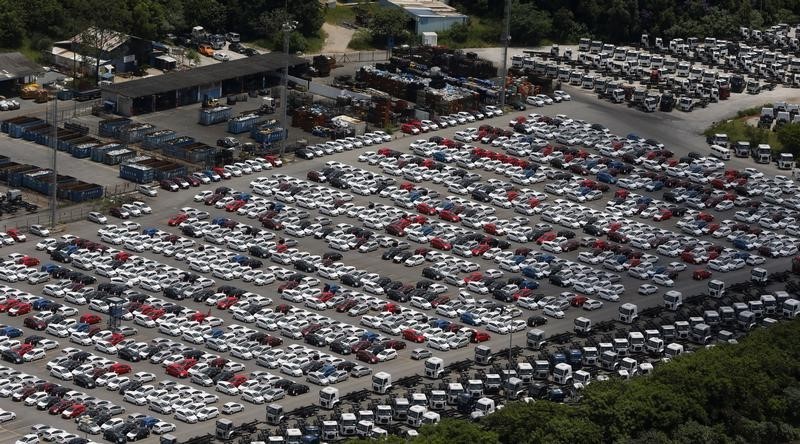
(422,254)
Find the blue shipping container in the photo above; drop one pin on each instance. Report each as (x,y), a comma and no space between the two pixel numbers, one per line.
(111,127)
(156,139)
(210,116)
(136,173)
(15,130)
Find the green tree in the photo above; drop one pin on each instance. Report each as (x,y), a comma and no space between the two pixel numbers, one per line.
(389,22)
(451,431)
(528,24)
(789,136)
(756,135)
(12,24)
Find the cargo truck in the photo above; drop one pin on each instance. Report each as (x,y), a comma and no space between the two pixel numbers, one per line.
(761,153)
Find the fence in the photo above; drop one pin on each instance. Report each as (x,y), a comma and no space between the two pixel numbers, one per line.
(63,216)
(359,56)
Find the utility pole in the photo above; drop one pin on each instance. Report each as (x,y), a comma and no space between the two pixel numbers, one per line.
(54,185)
(288,27)
(505,38)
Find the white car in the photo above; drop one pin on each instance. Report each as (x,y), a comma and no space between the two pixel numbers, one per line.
(230,408)
(662,279)
(647,289)
(206,413)
(553,311)
(186,416)
(386,355)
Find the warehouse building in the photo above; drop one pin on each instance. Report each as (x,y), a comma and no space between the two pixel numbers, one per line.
(174,89)
(15,71)
(428,15)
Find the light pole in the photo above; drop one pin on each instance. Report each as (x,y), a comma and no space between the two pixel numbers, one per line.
(505,38)
(288,27)
(54,184)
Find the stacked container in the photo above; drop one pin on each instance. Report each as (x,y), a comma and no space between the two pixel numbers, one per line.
(115,157)
(154,140)
(245,123)
(112,127)
(136,173)
(135,132)
(218,114)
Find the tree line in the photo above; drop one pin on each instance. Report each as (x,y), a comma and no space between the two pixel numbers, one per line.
(40,22)
(621,21)
(728,394)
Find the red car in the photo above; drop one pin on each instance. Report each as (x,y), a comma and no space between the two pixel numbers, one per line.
(177,219)
(395,344)
(235,205)
(426,209)
(74,411)
(227,302)
(116,338)
(59,407)
(35,324)
(238,380)
(90,318)
(701,274)
(119,368)
(20,309)
(480,336)
(578,301)
(177,371)
(449,216)
(412,335)
(24,348)
(122,256)
(441,244)
(29,261)
(9,304)
(16,235)
(367,356)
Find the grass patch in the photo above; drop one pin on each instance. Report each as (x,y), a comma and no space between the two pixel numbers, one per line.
(477,33)
(340,14)
(314,44)
(361,41)
(738,130)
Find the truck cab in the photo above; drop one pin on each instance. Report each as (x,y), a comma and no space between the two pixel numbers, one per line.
(434,367)
(347,424)
(437,399)
(328,397)
(701,334)
(791,308)
(786,161)
(654,346)
(483,355)
(583,326)
(535,338)
(682,329)
(712,318)
(562,373)
(454,390)
(758,275)
(718,139)
(383,413)
(716,288)
(475,388)
(414,418)
(525,372)
(673,300)
(769,303)
(381,382)
(483,407)
(274,414)
(608,361)
(400,408)
(741,148)
(628,313)
(513,387)
(746,320)
(590,356)
(330,431)
(621,346)
(636,341)
(364,429)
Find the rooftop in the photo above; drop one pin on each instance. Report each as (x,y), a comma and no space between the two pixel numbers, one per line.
(204,75)
(427,8)
(14,65)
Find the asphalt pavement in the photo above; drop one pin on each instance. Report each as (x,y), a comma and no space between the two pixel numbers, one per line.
(672,130)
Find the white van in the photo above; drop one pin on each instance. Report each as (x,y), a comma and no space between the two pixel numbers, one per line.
(720,152)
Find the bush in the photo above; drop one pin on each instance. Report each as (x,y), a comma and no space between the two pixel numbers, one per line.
(361,40)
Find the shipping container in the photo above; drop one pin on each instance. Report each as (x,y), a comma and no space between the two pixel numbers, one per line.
(30,132)
(170,171)
(243,124)
(80,191)
(268,134)
(99,152)
(135,132)
(65,94)
(62,134)
(15,130)
(6,168)
(156,139)
(136,173)
(112,127)
(138,159)
(14,177)
(6,124)
(83,151)
(219,114)
(4,160)
(116,157)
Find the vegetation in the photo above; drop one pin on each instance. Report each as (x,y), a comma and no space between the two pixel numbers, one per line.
(789,136)
(477,32)
(739,129)
(745,393)
(45,21)
(380,26)
(622,21)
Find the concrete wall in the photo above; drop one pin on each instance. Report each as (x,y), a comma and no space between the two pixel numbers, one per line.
(436,24)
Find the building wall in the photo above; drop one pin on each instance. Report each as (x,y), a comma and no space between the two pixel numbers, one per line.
(436,24)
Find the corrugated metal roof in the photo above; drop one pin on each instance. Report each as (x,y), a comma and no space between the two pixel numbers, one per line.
(204,75)
(14,65)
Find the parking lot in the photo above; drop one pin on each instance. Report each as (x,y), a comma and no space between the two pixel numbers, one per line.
(369,207)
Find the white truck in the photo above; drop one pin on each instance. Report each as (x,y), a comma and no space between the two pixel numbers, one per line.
(381,382)
(673,300)
(628,313)
(434,367)
(582,325)
(716,288)
(791,308)
(328,397)
(758,275)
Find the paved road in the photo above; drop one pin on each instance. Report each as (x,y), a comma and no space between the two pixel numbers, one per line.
(619,119)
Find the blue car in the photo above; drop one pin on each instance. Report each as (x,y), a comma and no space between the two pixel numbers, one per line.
(529,272)
(150,231)
(50,268)
(11,332)
(42,304)
(370,336)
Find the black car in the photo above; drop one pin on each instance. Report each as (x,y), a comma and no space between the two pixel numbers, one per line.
(315,340)
(350,280)
(536,321)
(297,389)
(341,348)
(228,142)
(304,153)
(84,381)
(432,273)
(12,356)
(129,354)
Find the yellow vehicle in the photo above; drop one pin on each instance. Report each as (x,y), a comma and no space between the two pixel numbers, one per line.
(205,50)
(30,90)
